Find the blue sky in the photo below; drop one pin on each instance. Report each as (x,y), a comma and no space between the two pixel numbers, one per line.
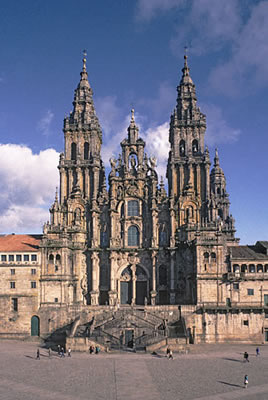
(135,55)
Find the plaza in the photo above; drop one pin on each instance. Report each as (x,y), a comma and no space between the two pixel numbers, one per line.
(211,372)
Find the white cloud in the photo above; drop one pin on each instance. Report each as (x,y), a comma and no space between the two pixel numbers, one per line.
(249,59)
(27,187)
(157,145)
(147,9)
(44,125)
(207,26)
(218,129)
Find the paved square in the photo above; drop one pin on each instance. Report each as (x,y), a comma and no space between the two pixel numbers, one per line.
(209,372)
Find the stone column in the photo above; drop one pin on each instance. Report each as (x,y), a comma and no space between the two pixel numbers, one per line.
(63,185)
(153,292)
(87,187)
(112,293)
(79,178)
(133,269)
(172,277)
(94,294)
(198,180)
(70,174)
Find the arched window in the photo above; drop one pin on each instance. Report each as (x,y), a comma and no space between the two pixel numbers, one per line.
(133,208)
(86,151)
(162,275)
(236,268)
(73,151)
(259,268)
(58,258)
(252,268)
(195,146)
(103,238)
(244,268)
(122,211)
(182,148)
(213,257)
(133,236)
(206,256)
(51,258)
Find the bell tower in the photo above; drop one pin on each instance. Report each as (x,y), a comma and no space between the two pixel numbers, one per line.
(188,164)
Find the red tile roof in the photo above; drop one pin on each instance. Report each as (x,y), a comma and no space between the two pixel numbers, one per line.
(14,243)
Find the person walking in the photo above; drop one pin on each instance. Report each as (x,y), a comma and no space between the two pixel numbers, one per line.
(58,349)
(246,357)
(168,351)
(257,352)
(49,352)
(246,381)
(38,354)
(62,352)
(69,352)
(170,355)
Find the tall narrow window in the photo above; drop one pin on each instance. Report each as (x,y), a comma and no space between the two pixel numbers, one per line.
(133,236)
(133,208)
(182,148)
(195,146)
(86,151)
(73,151)
(14,304)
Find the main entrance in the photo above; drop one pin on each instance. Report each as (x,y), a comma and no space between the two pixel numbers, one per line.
(134,286)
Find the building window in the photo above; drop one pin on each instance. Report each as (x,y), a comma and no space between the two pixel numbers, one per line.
(73,151)
(133,236)
(26,257)
(33,257)
(252,268)
(12,271)
(133,208)
(244,268)
(11,257)
(3,257)
(245,322)
(56,300)
(236,268)
(213,257)
(163,238)
(195,146)
(182,148)
(14,304)
(259,268)
(12,285)
(33,271)
(236,286)
(56,268)
(86,151)
(250,292)
(18,257)
(33,285)
(265,267)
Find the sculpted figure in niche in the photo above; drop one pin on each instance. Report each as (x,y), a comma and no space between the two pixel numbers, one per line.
(84,284)
(132,162)
(77,216)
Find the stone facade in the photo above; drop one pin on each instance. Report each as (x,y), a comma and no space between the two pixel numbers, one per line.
(134,246)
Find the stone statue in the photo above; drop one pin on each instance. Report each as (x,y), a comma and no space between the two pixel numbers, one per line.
(83,284)
(153,162)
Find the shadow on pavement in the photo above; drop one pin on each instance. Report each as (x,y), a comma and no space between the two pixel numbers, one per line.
(231,384)
(232,359)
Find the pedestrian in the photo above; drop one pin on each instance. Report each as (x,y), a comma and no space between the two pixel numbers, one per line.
(69,352)
(168,351)
(58,349)
(49,352)
(97,350)
(62,352)
(257,352)
(91,349)
(246,381)
(38,354)
(170,356)
(246,357)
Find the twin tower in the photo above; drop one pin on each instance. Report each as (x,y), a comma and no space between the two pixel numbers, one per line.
(132,243)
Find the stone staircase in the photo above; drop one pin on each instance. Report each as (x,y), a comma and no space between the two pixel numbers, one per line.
(130,328)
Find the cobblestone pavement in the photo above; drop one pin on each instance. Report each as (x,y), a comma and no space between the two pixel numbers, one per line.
(209,372)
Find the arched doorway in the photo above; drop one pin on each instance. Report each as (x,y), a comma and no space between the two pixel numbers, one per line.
(134,285)
(35,326)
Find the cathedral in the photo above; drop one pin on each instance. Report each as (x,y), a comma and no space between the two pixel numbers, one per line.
(130,264)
